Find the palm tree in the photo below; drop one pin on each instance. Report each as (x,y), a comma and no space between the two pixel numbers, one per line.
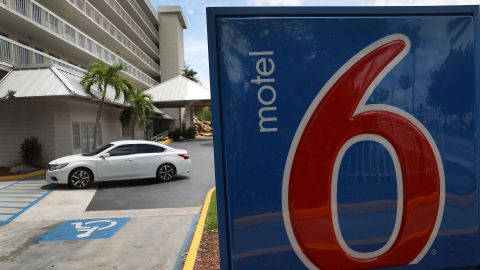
(141,108)
(191,74)
(99,77)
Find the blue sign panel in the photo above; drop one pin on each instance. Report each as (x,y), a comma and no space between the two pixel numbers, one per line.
(345,138)
(84,229)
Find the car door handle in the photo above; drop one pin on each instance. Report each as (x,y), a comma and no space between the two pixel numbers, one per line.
(130,159)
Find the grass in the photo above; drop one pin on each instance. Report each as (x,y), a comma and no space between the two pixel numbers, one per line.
(211,221)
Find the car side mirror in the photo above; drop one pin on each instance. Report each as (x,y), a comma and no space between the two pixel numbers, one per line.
(104,156)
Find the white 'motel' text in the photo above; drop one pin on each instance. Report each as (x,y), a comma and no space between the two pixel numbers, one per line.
(266,93)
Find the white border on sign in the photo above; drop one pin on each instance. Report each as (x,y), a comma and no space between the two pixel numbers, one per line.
(399,214)
(362,107)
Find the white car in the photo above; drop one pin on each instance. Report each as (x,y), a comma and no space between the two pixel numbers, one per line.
(121,160)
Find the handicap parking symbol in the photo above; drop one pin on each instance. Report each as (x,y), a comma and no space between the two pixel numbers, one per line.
(83,229)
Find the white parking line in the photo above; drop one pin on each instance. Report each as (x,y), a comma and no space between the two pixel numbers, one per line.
(19,195)
(6,191)
(37,188)
(5,210)
(14,204)
(5,217)
(15,199)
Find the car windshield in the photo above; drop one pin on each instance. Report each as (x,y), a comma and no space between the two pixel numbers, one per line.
(98,150)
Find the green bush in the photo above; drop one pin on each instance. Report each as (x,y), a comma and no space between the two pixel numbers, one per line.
(189,133)
(175,135)
(179,134)
(204,114)
(31,151)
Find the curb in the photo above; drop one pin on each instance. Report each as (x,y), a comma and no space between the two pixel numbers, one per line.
(167,141)
(21,176)
(197,236)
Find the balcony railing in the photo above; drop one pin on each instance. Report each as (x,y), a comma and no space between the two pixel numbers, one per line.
(137,29)
(18,54)
(40,16)
(90,11)
(143,16)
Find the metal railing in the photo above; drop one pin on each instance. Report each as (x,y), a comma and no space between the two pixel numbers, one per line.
(98,18)
(40,16)
(160,137)
(137,29)
(18,54)
(142,15)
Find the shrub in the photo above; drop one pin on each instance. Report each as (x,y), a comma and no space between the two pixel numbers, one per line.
(31,151)
(189,133)
(175,135)
(204,114)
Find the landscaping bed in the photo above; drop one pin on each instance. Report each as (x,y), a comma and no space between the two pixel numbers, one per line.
(208,254)
(6,171)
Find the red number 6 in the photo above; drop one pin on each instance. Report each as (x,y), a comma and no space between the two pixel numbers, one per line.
(337,118)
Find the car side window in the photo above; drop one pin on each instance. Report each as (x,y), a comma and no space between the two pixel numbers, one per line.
(149,148)
(122,150)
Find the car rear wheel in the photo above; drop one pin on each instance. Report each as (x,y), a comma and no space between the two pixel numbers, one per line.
(166,172)
(80,178)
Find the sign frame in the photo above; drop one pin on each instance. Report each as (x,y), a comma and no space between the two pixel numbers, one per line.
(214,13)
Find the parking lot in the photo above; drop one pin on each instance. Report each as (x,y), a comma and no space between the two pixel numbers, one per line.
(139,224)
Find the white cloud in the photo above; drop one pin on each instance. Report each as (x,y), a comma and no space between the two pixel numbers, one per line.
(274,2)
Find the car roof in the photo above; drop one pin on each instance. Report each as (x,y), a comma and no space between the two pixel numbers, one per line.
(122,142)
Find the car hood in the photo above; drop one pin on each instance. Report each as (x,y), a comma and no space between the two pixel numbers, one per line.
(68,159)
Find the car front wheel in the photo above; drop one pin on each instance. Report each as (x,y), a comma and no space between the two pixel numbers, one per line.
(166,172)
(80,178)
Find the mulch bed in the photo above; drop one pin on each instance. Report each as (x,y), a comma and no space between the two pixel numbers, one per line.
(208,256)
(4,171)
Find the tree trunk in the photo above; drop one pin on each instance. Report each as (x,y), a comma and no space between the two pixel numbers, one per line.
(97,121)
(132,124)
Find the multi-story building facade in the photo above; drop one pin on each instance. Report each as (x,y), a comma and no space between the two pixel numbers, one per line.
(67,35)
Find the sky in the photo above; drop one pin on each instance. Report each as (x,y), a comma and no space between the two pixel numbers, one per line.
(195,36)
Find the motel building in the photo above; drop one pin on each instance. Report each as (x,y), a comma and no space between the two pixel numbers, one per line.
(45,47)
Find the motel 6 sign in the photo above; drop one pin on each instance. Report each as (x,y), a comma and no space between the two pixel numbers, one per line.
(346,138)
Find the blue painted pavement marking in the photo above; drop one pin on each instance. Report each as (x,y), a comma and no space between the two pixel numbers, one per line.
(84,229)
(14,197)
(186,243)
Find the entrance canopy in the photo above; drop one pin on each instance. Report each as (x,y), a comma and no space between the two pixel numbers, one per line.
(178,92)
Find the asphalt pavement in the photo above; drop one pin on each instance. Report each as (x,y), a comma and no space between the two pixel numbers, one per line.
(55,227)
(184,191)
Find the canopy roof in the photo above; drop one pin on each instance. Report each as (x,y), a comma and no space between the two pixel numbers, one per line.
(48,80)
(179,91)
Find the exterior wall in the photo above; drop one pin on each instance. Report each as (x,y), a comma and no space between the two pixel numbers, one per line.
(50,119)
(171,46)
(176,114)
(20,118)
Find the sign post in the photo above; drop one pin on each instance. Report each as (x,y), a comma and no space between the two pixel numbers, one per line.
(345,138)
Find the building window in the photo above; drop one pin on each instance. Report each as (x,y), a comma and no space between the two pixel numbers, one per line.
(90,45)
(89,11)
(36,13)
(81,40)
(53,23)
(70,33)
(5,51)
(81,4)
(82,135)
(98,17)
(76,135)
(22,56)
(21,7)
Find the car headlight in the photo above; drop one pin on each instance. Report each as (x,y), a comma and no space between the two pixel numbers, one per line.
(53,167)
